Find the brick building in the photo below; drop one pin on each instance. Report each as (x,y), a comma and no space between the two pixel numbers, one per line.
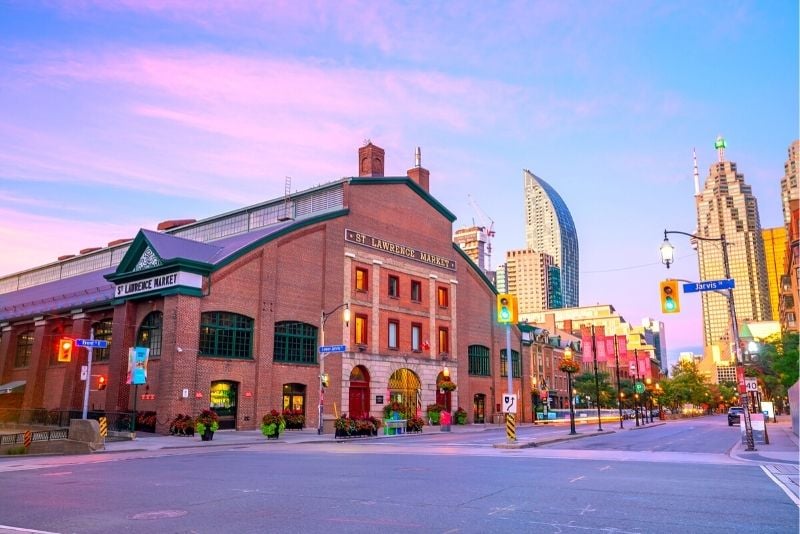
(233,309)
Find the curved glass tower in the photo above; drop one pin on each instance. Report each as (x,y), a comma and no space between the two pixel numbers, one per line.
(549,228)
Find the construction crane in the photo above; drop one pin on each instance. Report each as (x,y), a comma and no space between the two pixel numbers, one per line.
(486,226)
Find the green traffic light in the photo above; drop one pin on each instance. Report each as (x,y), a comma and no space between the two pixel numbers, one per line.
(505,315)
(669,304)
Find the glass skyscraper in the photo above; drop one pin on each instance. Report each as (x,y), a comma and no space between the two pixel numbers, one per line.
(549,228)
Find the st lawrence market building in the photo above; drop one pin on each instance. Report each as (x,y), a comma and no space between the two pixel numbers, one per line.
(232,312)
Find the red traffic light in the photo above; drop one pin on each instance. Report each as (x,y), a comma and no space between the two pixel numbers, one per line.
(65,346)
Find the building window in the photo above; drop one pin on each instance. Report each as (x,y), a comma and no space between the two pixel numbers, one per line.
(294,398)
(362,279)
(394,327)
(102,330)
(442,297)
(361,329)
(24,349)
(479,360)
(416,337)
(227,335)
(295,342)
(516,371)
(149,334)
(416,291)
(394,286)
(444,340)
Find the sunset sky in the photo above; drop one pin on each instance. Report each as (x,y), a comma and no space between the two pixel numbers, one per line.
(115,115)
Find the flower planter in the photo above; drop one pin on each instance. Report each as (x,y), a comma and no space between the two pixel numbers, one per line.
(208,435)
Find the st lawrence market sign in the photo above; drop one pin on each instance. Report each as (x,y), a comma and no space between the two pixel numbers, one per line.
(158,283)
(397,249)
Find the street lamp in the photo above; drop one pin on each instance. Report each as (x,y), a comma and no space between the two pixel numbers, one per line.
(322,378)
(568,368)
(668,257)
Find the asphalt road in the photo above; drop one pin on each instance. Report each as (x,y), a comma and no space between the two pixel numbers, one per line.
(430,483)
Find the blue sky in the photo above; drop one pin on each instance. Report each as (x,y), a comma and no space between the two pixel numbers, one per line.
(117,115)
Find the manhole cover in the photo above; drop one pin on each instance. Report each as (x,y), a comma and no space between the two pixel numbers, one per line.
(160,514)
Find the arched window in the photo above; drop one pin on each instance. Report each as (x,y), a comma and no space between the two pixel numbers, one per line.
(102,330)
(295,342)
(226,335)
(24,349)
(149,334)
(479,364)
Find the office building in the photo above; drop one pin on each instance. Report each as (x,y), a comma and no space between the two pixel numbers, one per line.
(533,277)
(775,243)
(789,187)
(726,207)
(549,229)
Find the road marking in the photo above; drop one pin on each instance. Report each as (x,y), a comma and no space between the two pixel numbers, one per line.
(781,485)
(588,508)
(4,528)
(578,478)
(605,468)
(504,509)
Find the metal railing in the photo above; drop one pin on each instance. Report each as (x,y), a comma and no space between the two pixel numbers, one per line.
(39,435)
(117,421)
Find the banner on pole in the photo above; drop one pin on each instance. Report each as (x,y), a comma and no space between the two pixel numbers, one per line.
(137,365)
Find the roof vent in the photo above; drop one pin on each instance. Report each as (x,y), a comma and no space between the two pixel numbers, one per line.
(88,250)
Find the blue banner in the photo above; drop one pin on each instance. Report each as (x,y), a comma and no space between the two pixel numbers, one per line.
(137,365)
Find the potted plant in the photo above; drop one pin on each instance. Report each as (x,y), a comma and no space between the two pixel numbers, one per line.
(295,420)
(415,424)
(461,416)
(182,425)
(447,385)
(206,424)
(344,426)
(434,412)
(272,424)
(392,410)
(568,365)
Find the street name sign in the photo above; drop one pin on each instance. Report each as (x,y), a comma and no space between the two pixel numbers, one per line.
(332,348)
(92,343)
(709,285)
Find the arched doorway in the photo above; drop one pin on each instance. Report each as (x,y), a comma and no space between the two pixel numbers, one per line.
(444,398)
(359,392)
(223,401)
(404,389)
(479,408)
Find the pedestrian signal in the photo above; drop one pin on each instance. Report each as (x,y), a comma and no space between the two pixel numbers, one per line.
(670,297)
(506,308)
(65,345)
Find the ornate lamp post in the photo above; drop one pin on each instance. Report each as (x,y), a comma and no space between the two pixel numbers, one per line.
(667,258)
(323,380)
(569,366)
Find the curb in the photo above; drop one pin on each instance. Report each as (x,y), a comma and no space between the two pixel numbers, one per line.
(530,444)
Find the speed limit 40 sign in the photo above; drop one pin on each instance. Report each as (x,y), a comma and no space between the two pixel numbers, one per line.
(510,403)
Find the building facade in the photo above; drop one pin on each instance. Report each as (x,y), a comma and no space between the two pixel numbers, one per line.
(232,312)
(549,229)
(530,276)
(790,189)
(726,207)
(775,243)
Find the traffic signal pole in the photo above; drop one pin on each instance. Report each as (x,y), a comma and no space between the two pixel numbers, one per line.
(511,429)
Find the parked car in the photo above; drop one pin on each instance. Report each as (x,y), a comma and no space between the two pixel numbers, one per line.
(735,415)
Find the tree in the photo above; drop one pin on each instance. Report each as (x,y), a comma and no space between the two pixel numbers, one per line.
(778,360)
(687,385)
(585,387)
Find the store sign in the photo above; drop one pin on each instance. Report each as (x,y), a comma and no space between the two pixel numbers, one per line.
(375,243)
(158,283)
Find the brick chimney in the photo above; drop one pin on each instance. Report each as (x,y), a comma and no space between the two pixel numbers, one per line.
(420,174)
(370,160)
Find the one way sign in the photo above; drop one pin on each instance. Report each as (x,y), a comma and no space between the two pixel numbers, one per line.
(510,403)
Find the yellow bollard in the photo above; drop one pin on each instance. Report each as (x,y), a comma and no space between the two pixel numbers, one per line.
(511,428)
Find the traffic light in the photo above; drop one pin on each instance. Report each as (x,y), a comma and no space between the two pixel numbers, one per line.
(65,349)
(326,380)
(670,297)
(506,308)
(99,383)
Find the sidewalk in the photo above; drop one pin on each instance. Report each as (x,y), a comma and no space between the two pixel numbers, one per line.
(147,442)
(782,447)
